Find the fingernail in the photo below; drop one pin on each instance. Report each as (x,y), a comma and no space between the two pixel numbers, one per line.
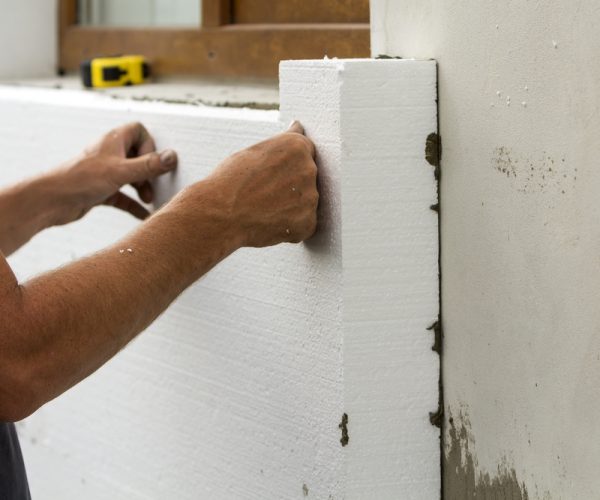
(168,158)
(292,123)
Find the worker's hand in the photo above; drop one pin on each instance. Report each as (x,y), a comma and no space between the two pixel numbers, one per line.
(272,189)
(126,155)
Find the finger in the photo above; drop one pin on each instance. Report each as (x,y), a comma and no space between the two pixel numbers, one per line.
(144,190)
(123,202)
(137,140)
(311,148)
(148,167)
(295,128)
(145,145)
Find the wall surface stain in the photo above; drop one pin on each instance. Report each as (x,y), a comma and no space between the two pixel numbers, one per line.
(462,480)
(344,427)
(539,172)
(436,417)
(433,151)
(436,328)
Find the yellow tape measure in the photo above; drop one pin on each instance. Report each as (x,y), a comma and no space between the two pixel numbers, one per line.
(102,72)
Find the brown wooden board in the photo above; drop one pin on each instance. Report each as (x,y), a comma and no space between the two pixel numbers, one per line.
(231,51)
(215,13)
(67,15)
(300,11)
(243,50)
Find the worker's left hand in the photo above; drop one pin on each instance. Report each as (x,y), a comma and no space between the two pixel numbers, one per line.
(126,155)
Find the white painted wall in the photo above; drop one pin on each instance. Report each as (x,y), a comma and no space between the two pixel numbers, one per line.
(28,37)
(519,118)
(238,390)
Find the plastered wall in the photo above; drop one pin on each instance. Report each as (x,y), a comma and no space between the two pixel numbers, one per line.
(520,237)
(239,391)
(28,37)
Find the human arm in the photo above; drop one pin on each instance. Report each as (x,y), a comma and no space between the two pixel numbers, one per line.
(125,155)
(62,326)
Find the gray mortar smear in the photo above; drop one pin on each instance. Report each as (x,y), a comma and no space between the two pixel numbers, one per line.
(201,102)
(433,152)
(461,479)
(344,427)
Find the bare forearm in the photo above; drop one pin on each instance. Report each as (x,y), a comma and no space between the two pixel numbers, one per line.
(123,156)
(65,324)
(28,208)
(57,329)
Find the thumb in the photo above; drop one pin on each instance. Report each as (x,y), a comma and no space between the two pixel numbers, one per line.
(295,128)
(148,167)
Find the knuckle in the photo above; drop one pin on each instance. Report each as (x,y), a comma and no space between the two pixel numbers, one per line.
(136,130)
(311,226)
(292,151)
(135,125)
(111,135)
(151,163)
(307,144)
(305,227)
(298,144)
(308,169)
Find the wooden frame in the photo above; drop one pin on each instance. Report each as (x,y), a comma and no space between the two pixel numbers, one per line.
(218,48)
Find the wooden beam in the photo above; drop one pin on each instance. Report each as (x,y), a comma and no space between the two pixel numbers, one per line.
(67,19)
(67,14)
(300,11)
(236,51)
(216,13)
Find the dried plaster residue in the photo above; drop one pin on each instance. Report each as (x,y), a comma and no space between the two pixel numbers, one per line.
(538,172)
(202,102)
(463,481)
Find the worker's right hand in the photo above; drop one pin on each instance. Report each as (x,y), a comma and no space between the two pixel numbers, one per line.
(270,189)
(273,189)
